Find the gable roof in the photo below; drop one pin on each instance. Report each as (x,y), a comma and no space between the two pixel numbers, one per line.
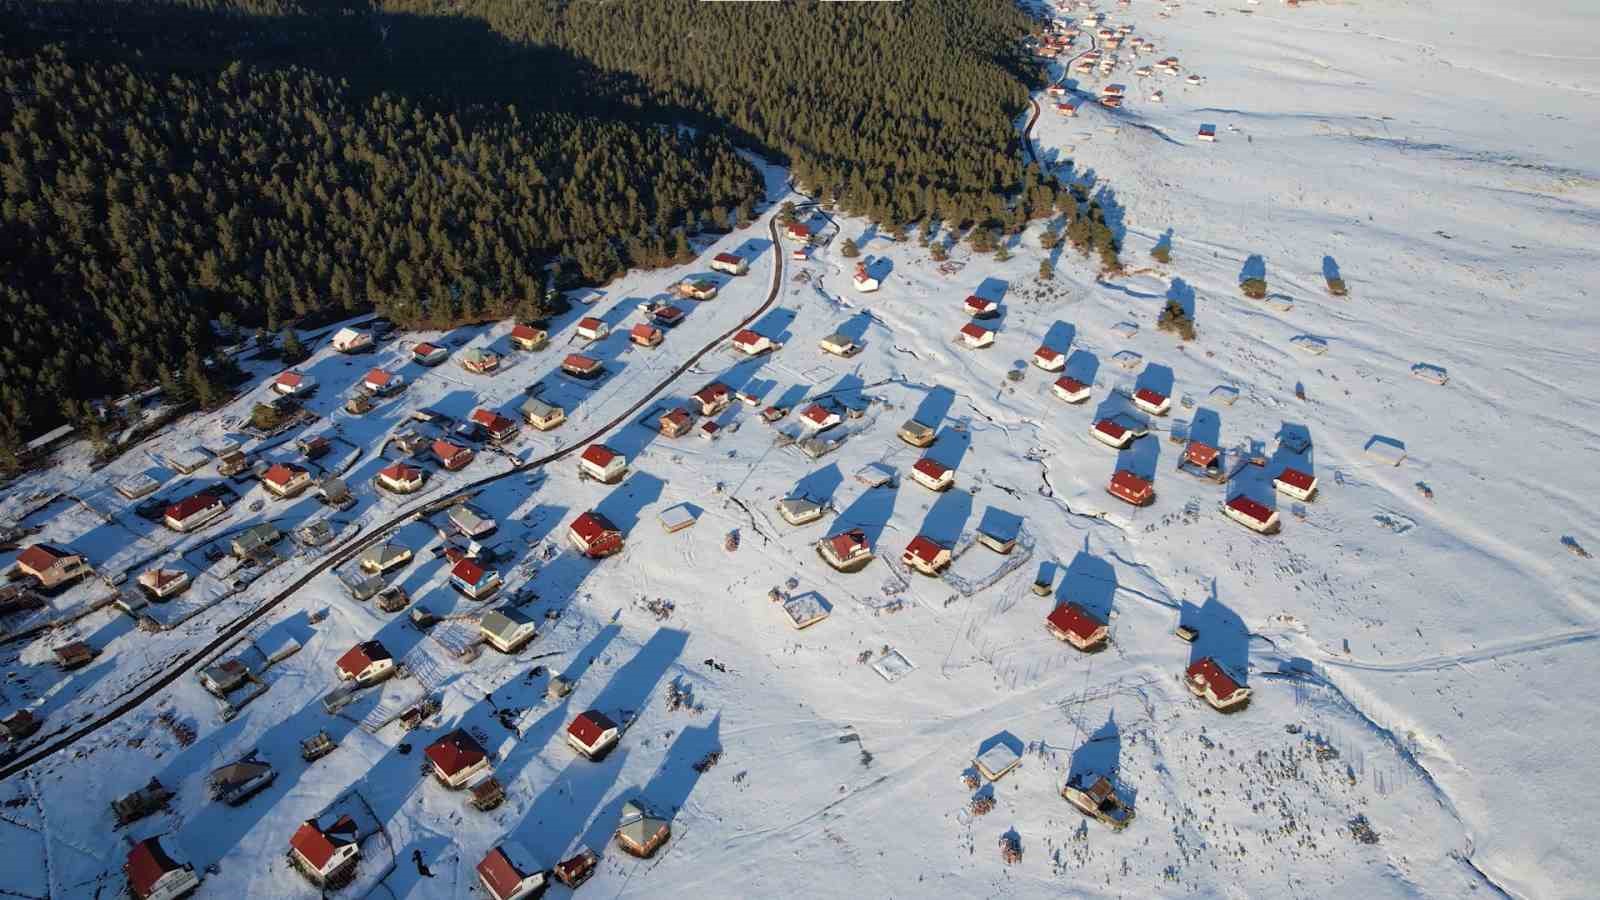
(289,379)
(818,413)
(1207,673)
(728,258)
(1047,353)
(454,752)
(590,323)
(191,504)
(502,869)
(748,337)
(378,377)
(469,571)
(599,455)
(40,557)
(579,361)
(974,330)
(924,548)
(1125,484)
(975,302)
(318,845)
(591,525)
(1074,620)
(1248,507)
(401,472)
(1296,479)
(147,864)
(504,622)
(1150,396)
(643,332)
(1110,429)
(446,450)
(931,467)
(425,349)
(588,726)
(1201,453)
(713,392)
(282,474)
(526,332)
(846,543)
(358,658)
(1069,384)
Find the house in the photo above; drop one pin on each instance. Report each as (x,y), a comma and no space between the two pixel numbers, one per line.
(818,418)
(730,263)
(848,551)
(980,307)
(486,793)
(1056,90)
(153,874)
(326,856)
(710,430)
(237,782)
(916,433)
(998,530)
(592,734)
(137,804)
(137,485)
(1252,515)
(1077,626)
(18,725)
(800,254)
(698,290)
(774,414)
(592,329)
(863,280)
(1112,434)
(470,521)
(1130,488)
(1049,359)
(1067,109)
(335,493)
(508,872)
(1208,133)
(163,583)
(975,336)
(677,518)
(1208,680)
(594,535)
(193,511)
(479,360)
(529,337)
(799,510)
(426,354)
(602,463)
(926,555)
(368,662)
(667,315)
(752,344)
(675,422)
(541,414)
(1113,90)
(452,456)
(222,677)
(499,428)
(798,231)
(645,335)
(640,833)
(1201,459)
(51,566)
(285,480)
(507,630)
(317,746)
(456,757)
(400,478)
(1296,484)
(472,579)
(350,340)
(932,474)
(311,447)
(839,345)
(251,542)
(579,366)
(1095,796)
(577,869)
(995,762)
(713,398)
(380,381)
(1152,401)
(291,384)
(381,558)
(1070,389)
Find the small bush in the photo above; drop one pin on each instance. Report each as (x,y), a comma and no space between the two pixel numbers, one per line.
(1254,288)
(1162,253)
(1175,320)
(1336,287)
(938,253)
(1002,254)
(1049,239)
(849,250)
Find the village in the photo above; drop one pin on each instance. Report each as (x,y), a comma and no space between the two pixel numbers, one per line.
(712,567)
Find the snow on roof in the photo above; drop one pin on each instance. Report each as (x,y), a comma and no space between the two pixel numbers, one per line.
(317,845)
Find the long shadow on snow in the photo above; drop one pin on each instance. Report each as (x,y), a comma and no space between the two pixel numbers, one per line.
(948,516)
(1223,635)
(1089,581)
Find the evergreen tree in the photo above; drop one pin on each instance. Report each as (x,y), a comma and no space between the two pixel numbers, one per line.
(848,249)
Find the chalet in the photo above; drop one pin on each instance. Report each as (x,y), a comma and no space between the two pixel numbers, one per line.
(1130,488)
(1208,133)
(799,231)
(998,530)
(193,511)
(730,263)
(640,833)
(326,856)
(602,463)
(675,422)
(368,662)
(667,315)
(1252,515)
(222,677)
(579,366)
(713,398)
(452,456)
(508,872)
(456,757)
(698,290)
(916,433)
(541,414)
(818,418)
(975,336)
(18,725)
(400,478)
(1208,680)
(529,337)
(1070,389)
(645,335)
(381,558)
(980,307)
(52,567)
(163,583)
(471,522)
(1077,626)
(507,630)
(1202,459)
(380,381)
(291,384)
(474,580)
(848,551)
(799,510)
(1152,401)
(313,447)
(1112,434)
(284,480)
(932,474)
(350,340)
(595,536)
(1296,484)
(839,345)
(426,354)
(1049,359)
(154,875)
(499,428)
(237,782)
(593,734)
(479,360)
(926,555)
(752,344)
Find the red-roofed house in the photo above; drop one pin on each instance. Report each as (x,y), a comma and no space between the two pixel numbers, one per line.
(1208,680)
(980,307)
(594,535)
(863,280)
(508,873)
(474,580)
(602,463)
(667,315)
(154,875)
(593,734)
(366,663)
(645,335)
(730,263)
(1296,484)
(1208,133)
(51,566)
(819,418)
(1202,456)
(675,422)
(580,366)
(327,856)
(926,555)
(799,232)
(400,478)
(426,354)
(194,511)
(163,583)
(1151,401)
(529,337)
(451,456)
(750,343)
(1130,488)
(500,428)
(592,329)
(1112,434)
(847,551)
(480,360)
(1070,389)
(456,757)
(1049,359)
(932,474)
(713,398)
(380,381)
(1252,515)
(975,336)
(292,383)
(1077,626)
(285,480)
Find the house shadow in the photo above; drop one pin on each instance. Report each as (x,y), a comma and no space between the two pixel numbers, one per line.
(1083,366)
(1156,377)
(855,327)
(992,288)
(947,517)
(1090,582)
(1222,634)
(1142,458)
(1182,293)
(775,324)
(1255,266)
(1330,269)
(754,248)
(845,392)
(1100,754)
(669,788)
(821,484)
(620,311)
(870,511)
(631,439)
(950,447)
(1002,739)
(935,406)
(1060,335)
(794,396)
(627,501)
(1206,427)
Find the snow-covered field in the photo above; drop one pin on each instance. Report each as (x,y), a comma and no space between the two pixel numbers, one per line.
(1418,640)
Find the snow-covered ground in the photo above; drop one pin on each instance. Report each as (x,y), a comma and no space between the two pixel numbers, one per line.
(1419,658)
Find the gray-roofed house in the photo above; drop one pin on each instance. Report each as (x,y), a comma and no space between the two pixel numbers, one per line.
(383,557)
(255,540)
(471,522)
(640,833)
(237,782)
(799,510)
(916,434)
(507,630)
(221,677)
